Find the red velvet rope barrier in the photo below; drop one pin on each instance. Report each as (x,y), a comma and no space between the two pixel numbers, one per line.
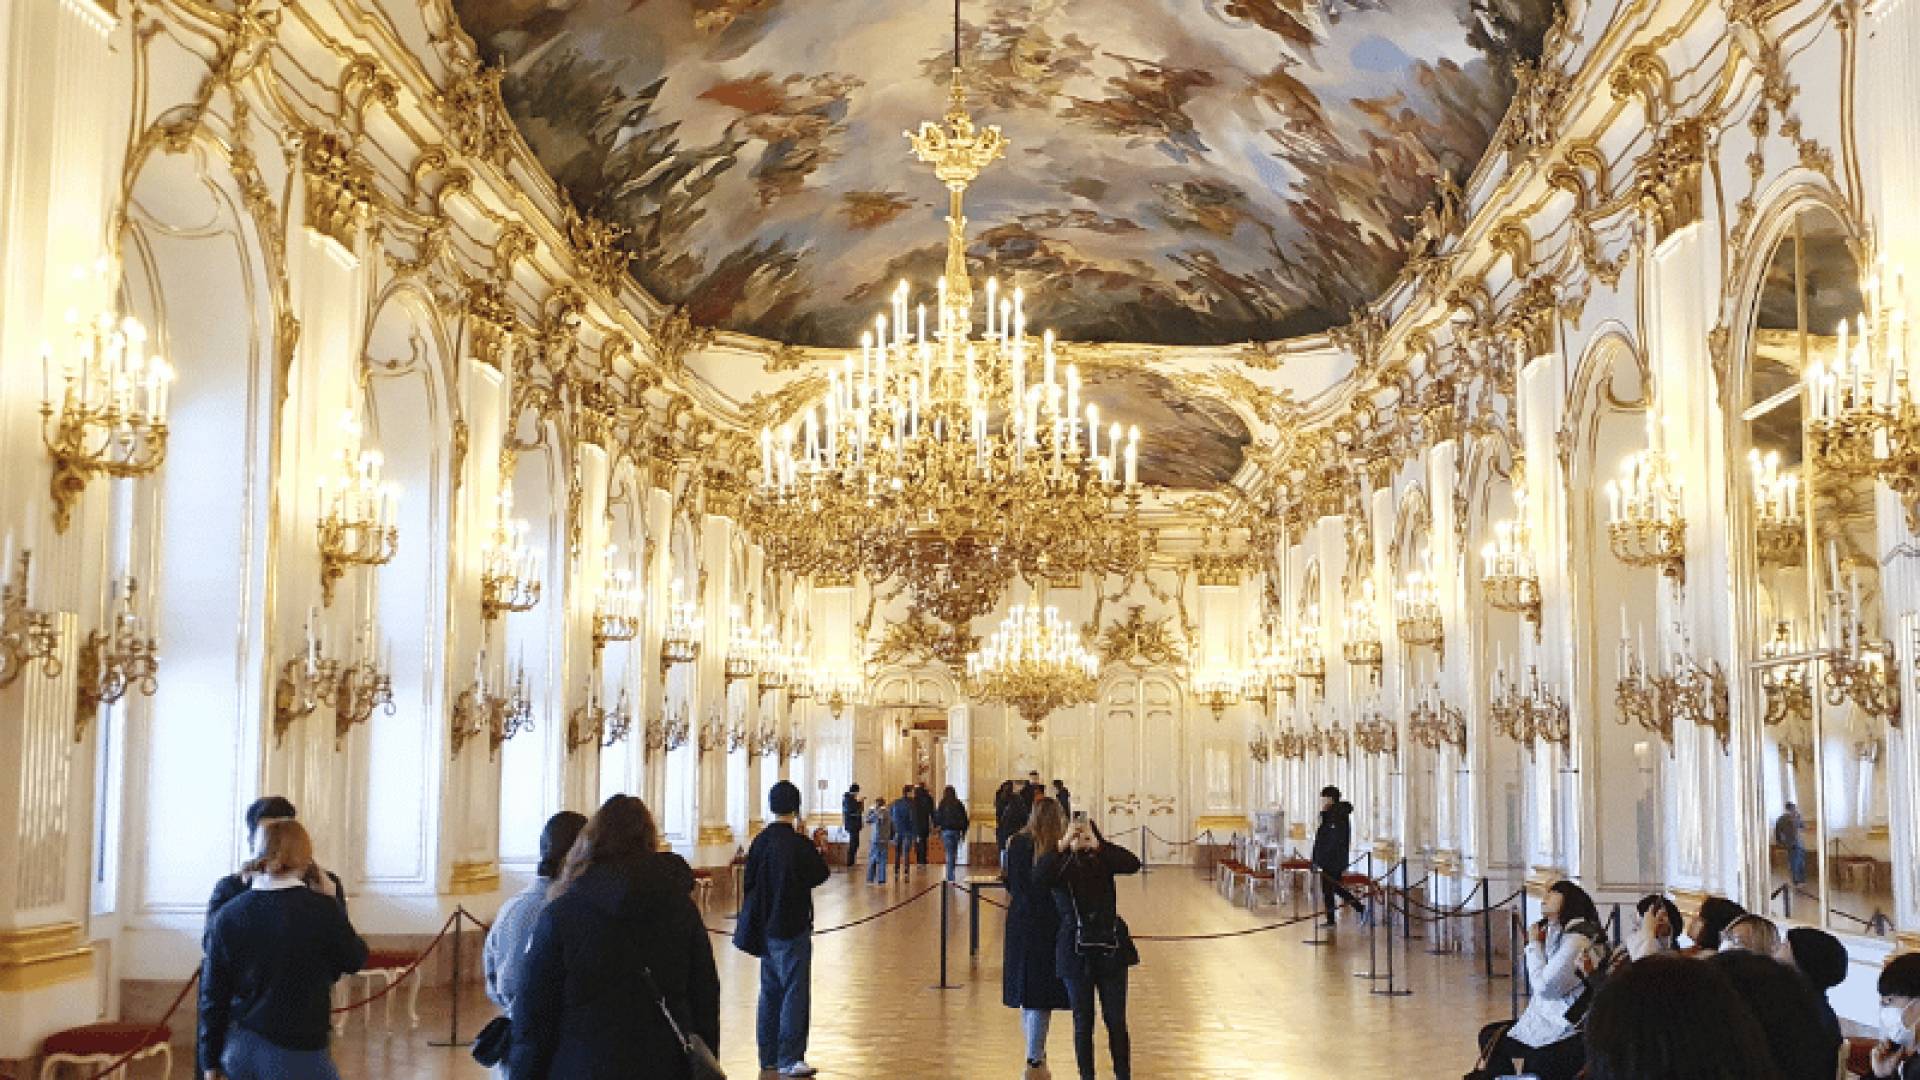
(394,983)
(850,925)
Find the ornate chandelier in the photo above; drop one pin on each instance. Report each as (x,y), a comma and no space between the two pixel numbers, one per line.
(1779,524)
(27,634)
(108,415)
(357,513)
(1507,575)
(680,642)
(1035,663)
(1646,525)
(509,569)
(1362,647)
(949,461)
(1420,622)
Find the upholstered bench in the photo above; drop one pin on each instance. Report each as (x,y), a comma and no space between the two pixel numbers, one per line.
(388,965)
(95,1046)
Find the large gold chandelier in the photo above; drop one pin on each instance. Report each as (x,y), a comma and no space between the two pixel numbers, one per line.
(1035,663)
(948,461)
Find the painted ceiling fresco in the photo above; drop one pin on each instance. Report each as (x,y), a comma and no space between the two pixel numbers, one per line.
(1180,171)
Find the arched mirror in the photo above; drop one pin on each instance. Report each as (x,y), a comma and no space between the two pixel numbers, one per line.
(1816,643)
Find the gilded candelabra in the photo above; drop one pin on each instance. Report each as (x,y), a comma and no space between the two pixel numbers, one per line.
(1682,691)
(1529,714)
(500,715)
(1435,722)
(1857,669)
(1260,747)
(1310,653)
(593,722)
(108,413)
(357,514)
(1217,689)
(669,733)
(775,663)
(509,568)
(1362,646)
(1646,523)
(123,657)
(1290,745)
(1419,622)
(27,635)
(1784,682)
(1375,735)
(1034,663)
(743,651)
(1779,525)
(680,643)
(791,747)
(1865,418)
(1508,576)
(839,688)
(616,608)
(799,678)
(713,733)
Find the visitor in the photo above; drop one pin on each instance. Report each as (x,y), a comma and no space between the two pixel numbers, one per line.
(951,817)
(922,821)
(264,809)
(1820,957)
(1668,1017)
(619,940)
(1751,933)
(1092,949)
(1029,975)
(1544,1039)
(1707,924)
(1659,928)
(1786,834)
(1064,797)
(1003,798)
(1788,1010)
(1896,1056)
(273,954)
(504,953)
(850,820)
(878,849)
(776,925)
(1331,843)
(903,831)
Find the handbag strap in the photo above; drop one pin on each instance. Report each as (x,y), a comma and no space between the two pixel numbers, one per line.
(660,999)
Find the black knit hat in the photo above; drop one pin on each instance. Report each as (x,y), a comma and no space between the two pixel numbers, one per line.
(268,807)
(1330,792)
(1819,955)
(556,839)
(784,798)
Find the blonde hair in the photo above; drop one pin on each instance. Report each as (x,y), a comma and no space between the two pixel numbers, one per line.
(1047,824)
(281,846)
(1752,933)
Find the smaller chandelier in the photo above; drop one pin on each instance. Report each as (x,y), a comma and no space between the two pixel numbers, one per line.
(1217,689)
(1508,575)
(1310,652)
(616,609)
(509,569)
(1260,748)
(1779,525)
(791,747)
(1362,647)
(1435,722)
(1857,670)
(743,651)
(1375,735)
(108,415)
(593,722)
(1420,623)
(123,657)
(1531,713)
(680,644)
(1271,675)
(1784,681)
(1035,662)
(357,514)
(1646,525)
(27,635)
(1856,401)
(1290,745)
(839,688)
(799,676)
(774,662)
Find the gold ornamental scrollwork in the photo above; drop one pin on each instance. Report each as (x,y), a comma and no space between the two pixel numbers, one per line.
(476,118)
(1141,642)
(339,186)
(1667,181)
(493,324)
(920,638)
(676,335)
(596,247)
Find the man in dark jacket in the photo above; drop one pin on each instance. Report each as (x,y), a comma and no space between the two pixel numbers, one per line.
(1331,843)
(776,925)
(850,820)
(1064,798)
(902,811)
(922,820)
(583,1009)
(266,808)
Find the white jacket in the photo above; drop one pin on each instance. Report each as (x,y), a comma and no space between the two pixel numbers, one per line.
(1556,986)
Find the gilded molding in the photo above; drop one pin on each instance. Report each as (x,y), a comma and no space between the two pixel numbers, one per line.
(338,186)
(1667,184)
(474,878)
(41,956)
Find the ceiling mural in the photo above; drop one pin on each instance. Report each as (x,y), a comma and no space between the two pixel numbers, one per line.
(1180,171)
(1188,442)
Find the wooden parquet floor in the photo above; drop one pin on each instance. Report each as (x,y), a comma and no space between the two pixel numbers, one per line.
(1257,1007)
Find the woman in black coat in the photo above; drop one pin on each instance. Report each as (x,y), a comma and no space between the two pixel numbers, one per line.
(1080,871)
(622,909)
(1029,981)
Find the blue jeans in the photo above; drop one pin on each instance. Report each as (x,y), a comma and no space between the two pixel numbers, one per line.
(1034,1023)
(902,852)
(1797,864)
(877,864)
(1112,991)
(250,1057)
(786,999)
(950,839)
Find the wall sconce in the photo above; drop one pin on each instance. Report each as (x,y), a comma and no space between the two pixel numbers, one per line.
(592,722)
(1784,681)
(713,733)
(1260,748)
(743,651)
(616,609)
(1310,652)
(122,658)
(1420,623)
(1646,525)
(1508,575)
(774,662)
(1361,646)
(838,689)
(1435,722)
(356,520)
(680,644)
(1218,690)
(109,413)
(500,716)
(1857,670)
(1684,691)
(1375,735)
(1779,525)
(27,635)
(1529,714)
(509,569)
(667,735)
(792,746)
(360,687)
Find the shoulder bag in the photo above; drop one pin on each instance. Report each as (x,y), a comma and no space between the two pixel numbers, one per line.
(701,1064)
